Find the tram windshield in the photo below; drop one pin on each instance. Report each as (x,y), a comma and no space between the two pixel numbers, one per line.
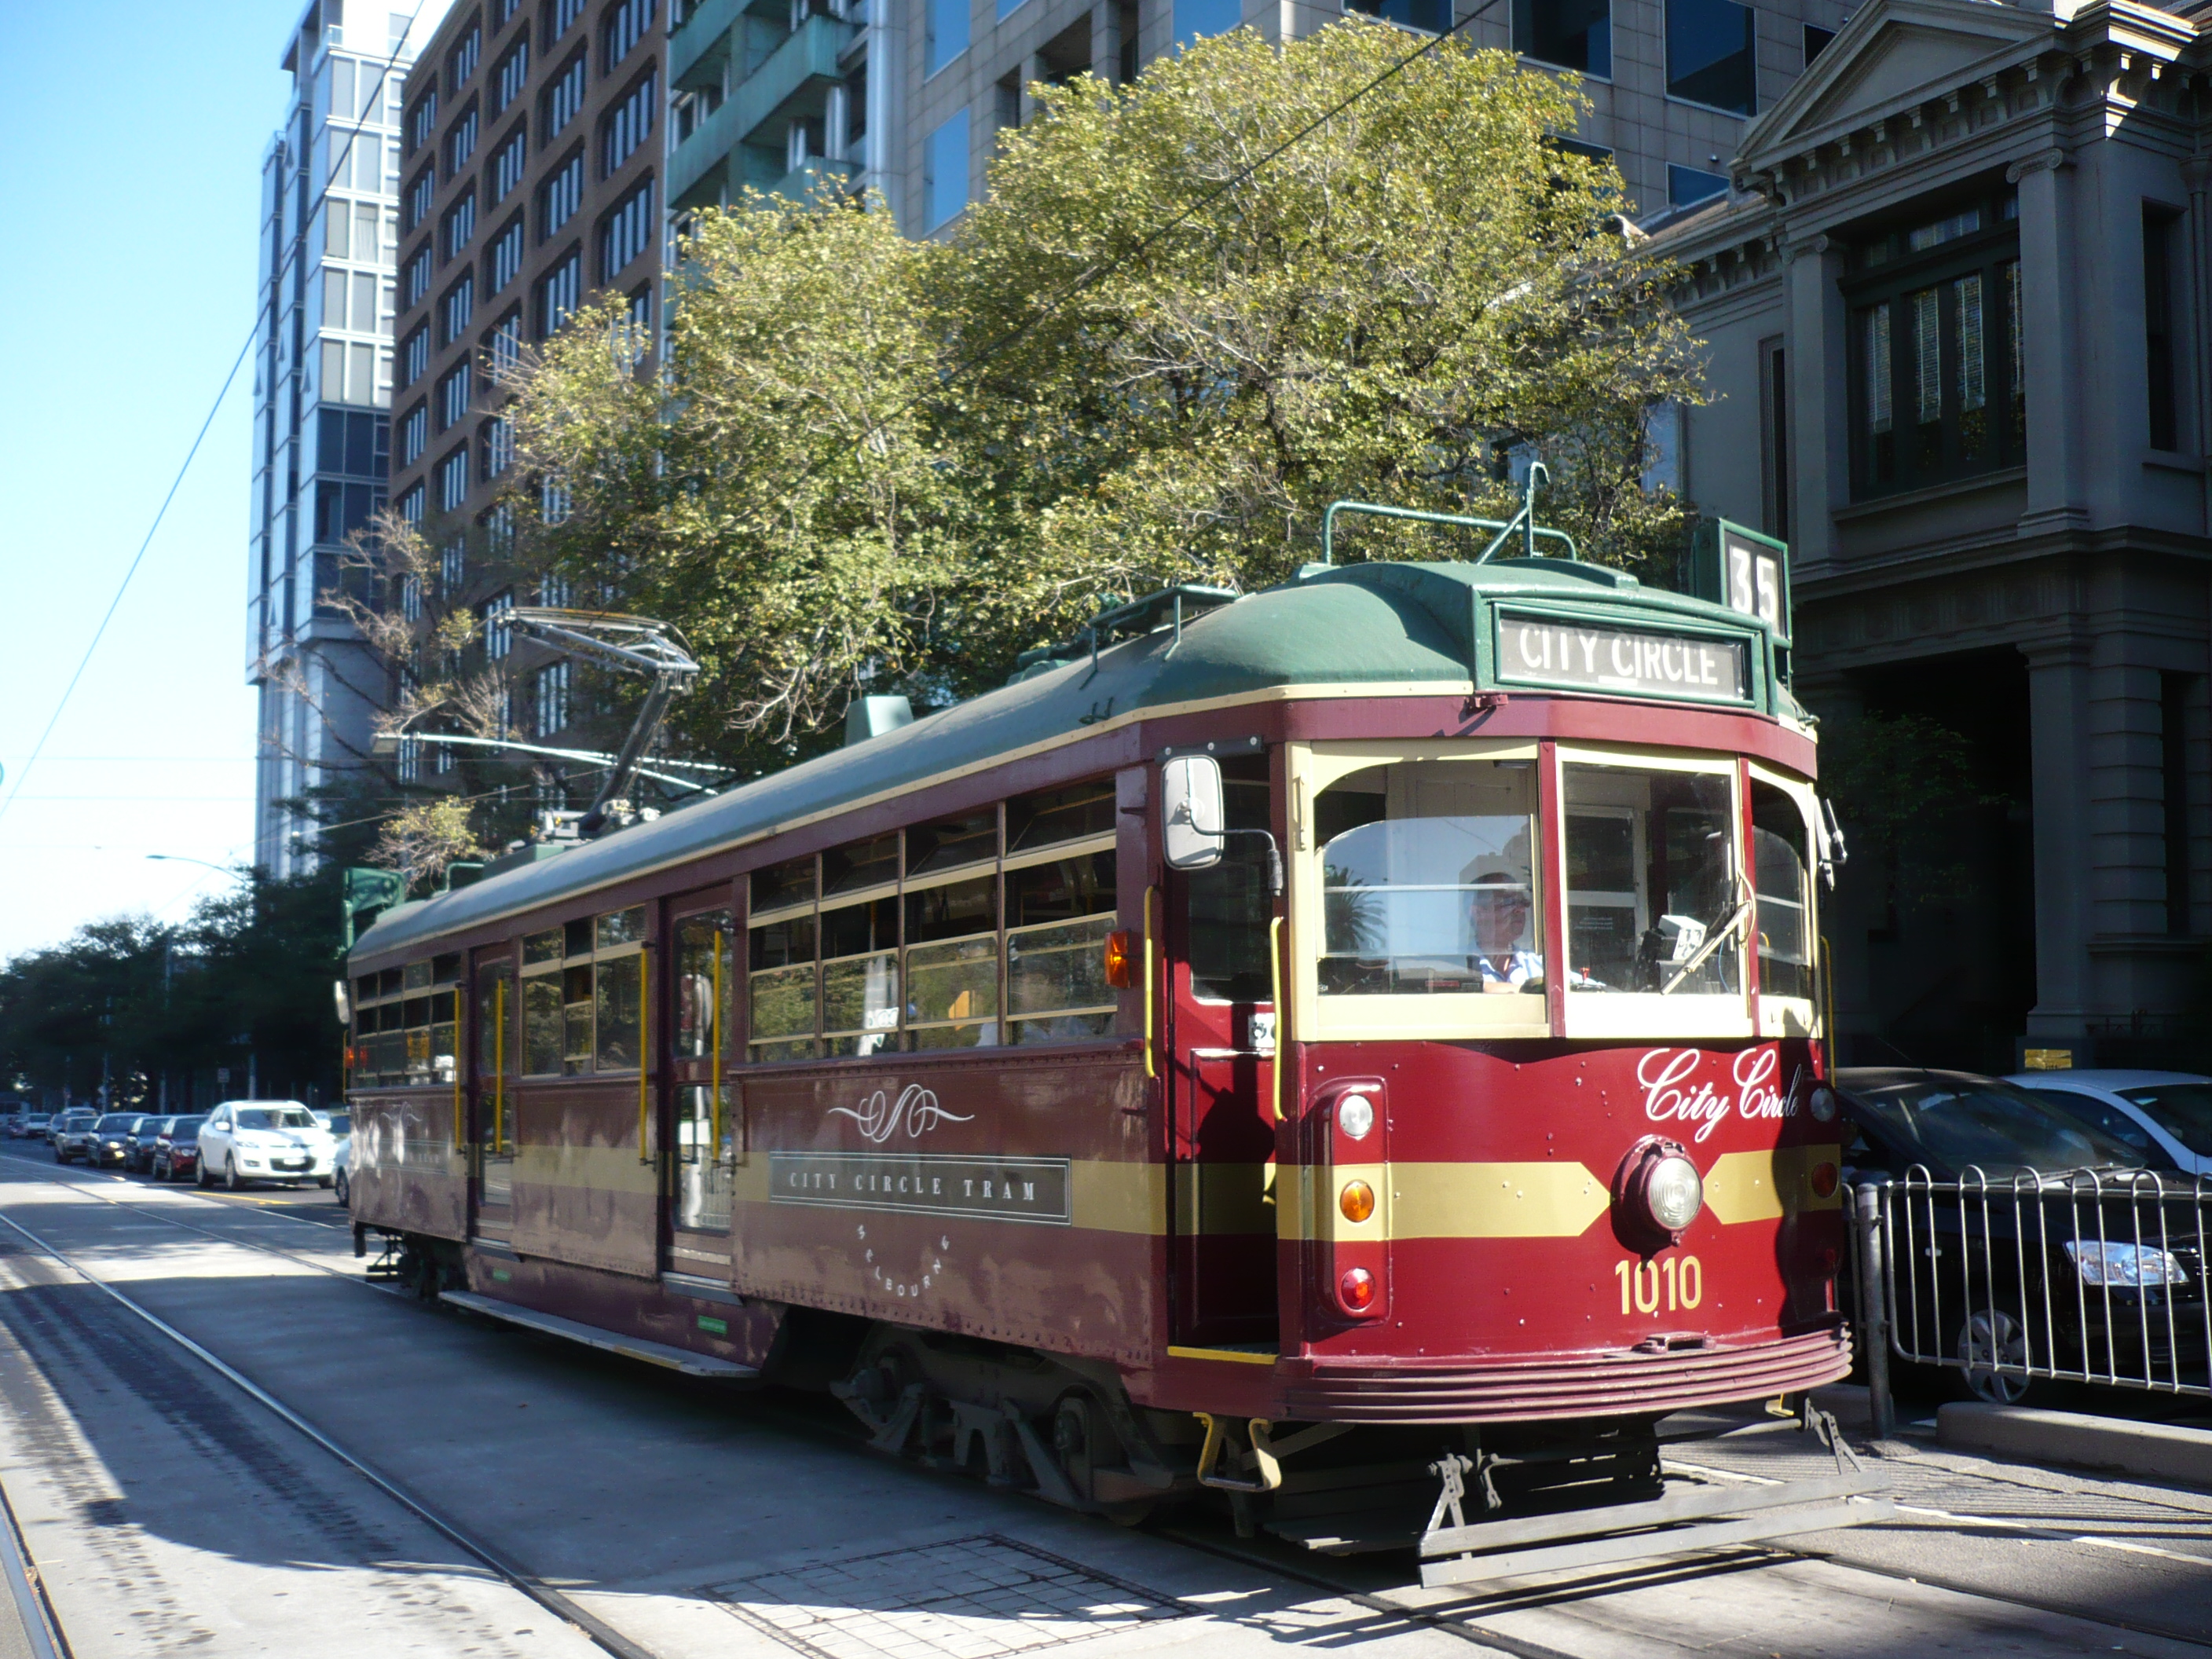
(1655,900)
(1428,880)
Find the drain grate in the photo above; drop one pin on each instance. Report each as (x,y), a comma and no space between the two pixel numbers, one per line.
(969,1598)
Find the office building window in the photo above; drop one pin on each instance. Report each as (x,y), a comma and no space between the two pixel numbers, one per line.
(945,175)
(410,505)
(419,195)
(410,598)
(626,233)
(1936,389)
(624,27)
(414,434)
(552,698)
(461,143)
(452,565)
(417,277)
(1196,19)
(948,32)
(454,397)
(454,480)
(2159,239)
(552,509)
(461,224)
(499,638)
(411,759)
(503,13)
(559,197)
(1687,184)
(1432,15)
(457,309)
(423,121)
(1816,42)
(506,165)
(1710,55)
(359,301)
(559,293)
(563,13)
(415,355)
(629,125)
(564,97)
(1575,34)
(506,256)
(498,447)
(512,74)
(462,64)
(499,532)
(505,343)
(856,110)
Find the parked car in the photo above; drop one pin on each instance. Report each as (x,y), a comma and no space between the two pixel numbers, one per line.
(342,1168)
(32,1125)
(2021,1232)
(251,1141)
(177,1149)
(138,1149)
(72,1136)
(2173,1109)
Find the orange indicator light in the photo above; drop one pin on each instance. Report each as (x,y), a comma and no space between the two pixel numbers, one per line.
(1118,958)
(1356,1201)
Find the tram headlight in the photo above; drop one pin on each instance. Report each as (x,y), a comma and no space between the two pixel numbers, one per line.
(1356,1201)
(1355,1115)
(1674,1192)
(1656,1194)
(1824,1104)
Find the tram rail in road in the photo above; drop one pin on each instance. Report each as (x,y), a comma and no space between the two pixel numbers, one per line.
(1271,1590)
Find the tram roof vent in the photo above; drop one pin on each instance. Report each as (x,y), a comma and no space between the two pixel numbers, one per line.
(871,717)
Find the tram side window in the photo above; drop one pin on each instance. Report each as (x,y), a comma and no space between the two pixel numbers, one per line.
(952,965)
(860,976)
(779,963)
(1782,873)
(1058,915)
(1229,905)
(1428,880)
(542,1044)
(1651,878)
(703,964)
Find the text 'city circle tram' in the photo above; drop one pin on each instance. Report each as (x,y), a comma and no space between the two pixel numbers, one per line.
(1356,1045)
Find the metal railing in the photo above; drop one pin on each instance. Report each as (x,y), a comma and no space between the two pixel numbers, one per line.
(2096,1276)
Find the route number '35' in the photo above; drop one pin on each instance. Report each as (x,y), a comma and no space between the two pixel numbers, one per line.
(1677,1283)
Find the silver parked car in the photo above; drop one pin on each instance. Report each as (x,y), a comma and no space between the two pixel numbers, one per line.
(2173,1109)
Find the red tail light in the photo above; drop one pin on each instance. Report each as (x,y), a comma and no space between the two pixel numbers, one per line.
(1824,1180)
(1357,1288)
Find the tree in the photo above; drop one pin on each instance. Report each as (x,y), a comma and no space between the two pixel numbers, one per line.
(423,840)
(1155,354)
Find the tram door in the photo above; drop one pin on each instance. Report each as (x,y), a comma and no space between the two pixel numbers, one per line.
(702,1132)
(496,1065)
(1220,1073)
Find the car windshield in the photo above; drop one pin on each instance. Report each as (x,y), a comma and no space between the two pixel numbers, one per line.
(2184,1110)
(2112,1121)
(115,1123)
(276,1117)
(1955,1121)
(185,1127)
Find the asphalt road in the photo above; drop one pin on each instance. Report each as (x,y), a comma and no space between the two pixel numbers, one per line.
(165,1509)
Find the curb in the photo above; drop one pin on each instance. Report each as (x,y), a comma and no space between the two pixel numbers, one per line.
(2158,1451)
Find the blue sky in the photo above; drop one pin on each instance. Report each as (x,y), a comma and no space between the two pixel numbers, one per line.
(131,143)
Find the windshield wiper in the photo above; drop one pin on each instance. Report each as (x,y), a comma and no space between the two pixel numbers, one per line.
(1713,942)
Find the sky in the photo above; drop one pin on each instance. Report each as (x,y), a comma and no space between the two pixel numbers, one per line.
(131,136)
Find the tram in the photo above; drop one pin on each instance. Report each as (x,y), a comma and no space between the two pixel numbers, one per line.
(1271,1039)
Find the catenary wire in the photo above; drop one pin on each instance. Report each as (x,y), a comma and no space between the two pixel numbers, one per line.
(253,334)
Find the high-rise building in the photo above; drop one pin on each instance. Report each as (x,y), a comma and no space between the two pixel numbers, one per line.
(322,380)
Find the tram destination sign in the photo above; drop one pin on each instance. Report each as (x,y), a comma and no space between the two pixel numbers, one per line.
(925,1183)
(1543,650)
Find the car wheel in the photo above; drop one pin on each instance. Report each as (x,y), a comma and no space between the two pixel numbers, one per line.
(230,1174)
(200,1176)
(1990,1337)
(58,1158)
(345,1190)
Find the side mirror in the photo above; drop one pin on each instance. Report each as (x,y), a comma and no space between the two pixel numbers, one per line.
(1194,822)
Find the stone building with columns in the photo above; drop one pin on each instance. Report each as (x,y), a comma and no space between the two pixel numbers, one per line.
(1956,310)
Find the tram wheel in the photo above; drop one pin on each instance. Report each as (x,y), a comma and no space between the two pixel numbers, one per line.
(1991,1336)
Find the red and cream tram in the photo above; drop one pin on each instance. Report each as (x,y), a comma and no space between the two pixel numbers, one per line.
(1380,1011)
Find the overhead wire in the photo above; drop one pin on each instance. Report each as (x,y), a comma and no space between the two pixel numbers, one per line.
(161,513)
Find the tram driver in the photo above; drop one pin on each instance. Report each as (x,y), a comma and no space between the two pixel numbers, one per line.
(1500,917)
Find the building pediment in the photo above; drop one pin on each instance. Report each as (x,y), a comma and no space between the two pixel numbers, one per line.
(1893,54)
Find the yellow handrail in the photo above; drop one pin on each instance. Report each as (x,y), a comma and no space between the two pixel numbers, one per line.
(1151,1069)
(1275,990)
(499,1141)
(460,1128)
(644,1036)
(714,1038)
(1828,998)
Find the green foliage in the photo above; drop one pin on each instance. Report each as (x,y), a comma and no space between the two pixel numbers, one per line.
(250,972)
(870,465)
(1899,782)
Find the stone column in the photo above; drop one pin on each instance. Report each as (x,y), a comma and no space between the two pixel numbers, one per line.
(1106,41)
(2049,310)
(2058,682)
(1819,402)
(2196,174)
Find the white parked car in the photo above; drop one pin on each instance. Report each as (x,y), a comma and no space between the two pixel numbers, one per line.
(251,1140)
(2174,1108)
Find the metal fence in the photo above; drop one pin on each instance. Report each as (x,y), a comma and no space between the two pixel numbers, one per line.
(2088,1276)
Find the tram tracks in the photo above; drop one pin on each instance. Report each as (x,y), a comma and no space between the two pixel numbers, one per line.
(1458,1617)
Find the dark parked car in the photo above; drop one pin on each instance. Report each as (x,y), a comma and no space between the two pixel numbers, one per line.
(138,1149)
(110,1142)
(177,1149)
(2024,1232)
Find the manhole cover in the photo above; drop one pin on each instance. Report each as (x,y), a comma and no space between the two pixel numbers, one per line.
(972,1598)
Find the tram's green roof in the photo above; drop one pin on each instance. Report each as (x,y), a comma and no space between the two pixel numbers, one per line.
(1366,625)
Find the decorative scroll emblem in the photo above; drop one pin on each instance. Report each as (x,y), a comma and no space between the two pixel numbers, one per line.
(1674,1093)
(915,1110)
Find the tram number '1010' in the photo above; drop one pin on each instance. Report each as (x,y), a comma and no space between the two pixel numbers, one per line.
(1679,1282)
